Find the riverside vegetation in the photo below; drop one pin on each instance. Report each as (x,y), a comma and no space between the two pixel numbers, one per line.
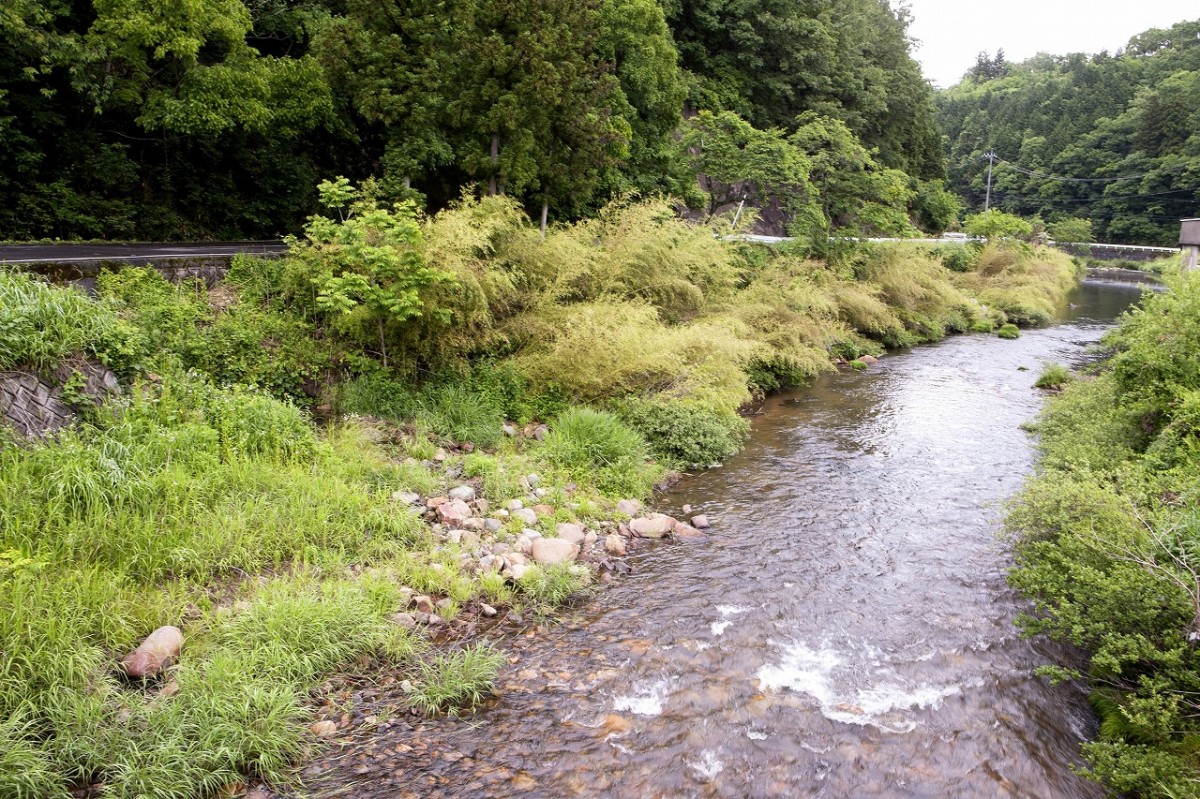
(287,549)
(1107,544)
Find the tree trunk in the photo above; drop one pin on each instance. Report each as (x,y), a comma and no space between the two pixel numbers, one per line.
(545,214)
(382,344)
(407,183)
(493,189)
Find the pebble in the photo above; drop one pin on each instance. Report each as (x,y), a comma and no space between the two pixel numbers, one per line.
(487,609)
(493,525)
(406,497)
(514,504)
(700,522)
(526,515)
(656,525)
(534,480)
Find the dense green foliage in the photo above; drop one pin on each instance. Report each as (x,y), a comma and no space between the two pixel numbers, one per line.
(1125,126)
(206,498)
(1108,543)
(213,119)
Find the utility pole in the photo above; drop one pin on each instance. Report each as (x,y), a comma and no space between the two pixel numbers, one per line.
(987,200)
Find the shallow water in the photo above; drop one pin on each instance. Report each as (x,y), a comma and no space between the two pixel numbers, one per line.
(846,630)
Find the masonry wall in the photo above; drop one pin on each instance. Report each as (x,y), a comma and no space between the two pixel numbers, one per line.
(32,403)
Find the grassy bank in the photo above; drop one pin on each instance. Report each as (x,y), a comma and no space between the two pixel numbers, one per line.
(1108,544)
(208,499)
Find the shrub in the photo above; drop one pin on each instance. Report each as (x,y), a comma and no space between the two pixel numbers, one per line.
(959,258)
(378,395)
(1009,331)
(685,433)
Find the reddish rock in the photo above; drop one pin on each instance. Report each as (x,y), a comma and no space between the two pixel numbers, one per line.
(630,507)
(543,510)
(433,502)
(323,729)
(686,531)
(868,359)
(614,545)
(454,512)
(160,649)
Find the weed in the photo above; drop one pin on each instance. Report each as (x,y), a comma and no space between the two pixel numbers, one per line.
(457,680)
(685,433)
(1053,376)
(1009,331)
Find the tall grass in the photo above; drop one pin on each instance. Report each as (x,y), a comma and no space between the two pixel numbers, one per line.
(41,324)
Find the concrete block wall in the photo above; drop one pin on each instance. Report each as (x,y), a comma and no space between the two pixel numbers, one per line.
(32,404)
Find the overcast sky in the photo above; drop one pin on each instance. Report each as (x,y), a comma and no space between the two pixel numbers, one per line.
(952,32)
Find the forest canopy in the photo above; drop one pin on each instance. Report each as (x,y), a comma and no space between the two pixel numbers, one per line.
(217,118)
(1114,139)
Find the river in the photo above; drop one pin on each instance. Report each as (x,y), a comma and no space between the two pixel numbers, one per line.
(845,631)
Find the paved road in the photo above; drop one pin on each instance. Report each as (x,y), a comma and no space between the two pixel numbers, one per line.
(76,253)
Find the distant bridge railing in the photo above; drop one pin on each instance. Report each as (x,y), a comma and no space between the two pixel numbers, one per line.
(1112,252)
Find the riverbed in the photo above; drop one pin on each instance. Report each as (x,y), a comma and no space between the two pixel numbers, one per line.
(845,630)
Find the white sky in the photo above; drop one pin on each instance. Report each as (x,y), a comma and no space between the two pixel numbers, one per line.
(952,32)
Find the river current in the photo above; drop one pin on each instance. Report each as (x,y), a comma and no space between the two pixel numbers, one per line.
(845,630)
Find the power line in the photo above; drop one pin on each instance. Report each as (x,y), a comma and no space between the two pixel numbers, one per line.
(1102,198)
(992,158)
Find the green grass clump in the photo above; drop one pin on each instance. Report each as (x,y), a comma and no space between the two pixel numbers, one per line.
(1054,376)
(457,412)
(547,587)
(1009,331)
(597,447)
(456,680)
(41,324)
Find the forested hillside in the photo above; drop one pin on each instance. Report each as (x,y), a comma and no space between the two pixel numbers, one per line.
(1124,127)
(217,118)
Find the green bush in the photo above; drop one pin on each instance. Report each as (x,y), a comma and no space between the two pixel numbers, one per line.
(685,433)
(1009,331)
(457,680)
(959,258)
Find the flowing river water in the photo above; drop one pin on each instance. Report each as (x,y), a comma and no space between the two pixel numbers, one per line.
(845,631)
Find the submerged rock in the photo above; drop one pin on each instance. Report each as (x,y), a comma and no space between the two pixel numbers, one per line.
(614,545)
(158,651)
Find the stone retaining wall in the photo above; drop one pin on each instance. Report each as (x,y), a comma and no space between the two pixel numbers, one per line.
(32,403)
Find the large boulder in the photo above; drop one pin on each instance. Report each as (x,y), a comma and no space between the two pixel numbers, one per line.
(549,551)
(656,525)
(159,650)
(570,532)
